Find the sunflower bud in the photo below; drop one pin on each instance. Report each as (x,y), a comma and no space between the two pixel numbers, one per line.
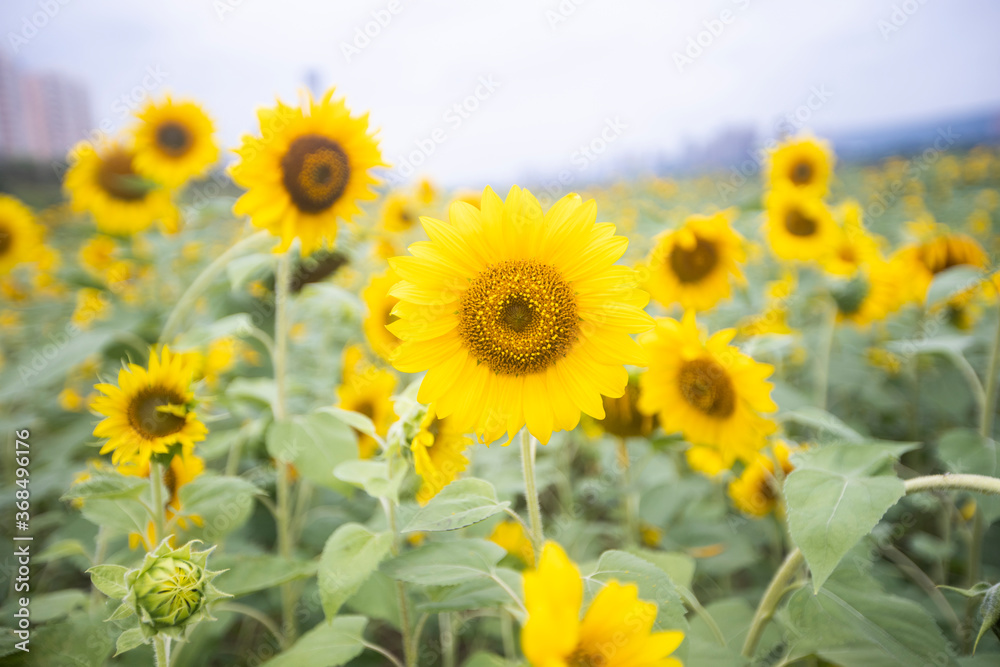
(989,610)
(171,591)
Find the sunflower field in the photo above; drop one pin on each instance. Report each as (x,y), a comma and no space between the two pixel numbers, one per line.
(290,414)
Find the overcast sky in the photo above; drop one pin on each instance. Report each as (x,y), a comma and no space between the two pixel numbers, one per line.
(561,70)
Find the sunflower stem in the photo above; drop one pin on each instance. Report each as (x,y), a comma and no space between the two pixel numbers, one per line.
(284,490)
(825,351)
(409,641)
(161,647)
(447,639)
(159,509)
(628,496)
(990,404)
(531,492)
(186,303)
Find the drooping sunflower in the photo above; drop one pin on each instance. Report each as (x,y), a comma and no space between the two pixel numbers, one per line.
(799,226)
(707,390)
(20,235)
(306,171)
(622,417)
(870,294)
(103,181)
(380,304)
(754,492)
(150,411)
(437,453)
(615,631)
(518,317)
(368,390)
(940,250)
(696,264)
(855,247)
(802,163)
(398,214)
(174,142)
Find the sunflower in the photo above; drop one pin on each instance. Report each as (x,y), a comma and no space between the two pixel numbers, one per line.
(870,294)
(615,631)
(519,317)
(20,235)
(696,264)
(367,390)
(798,225)
(104,181)
(854,247)
(707,390)
(802,163)
(150,411)
(755,491)
(306,170)
(622,417)
(97,253)
(942,249)
(512,536)
(398,214)
(380,304)
(437,454)
(173,142)
(426,191)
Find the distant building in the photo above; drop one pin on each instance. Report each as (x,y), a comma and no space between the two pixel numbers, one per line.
(42,114)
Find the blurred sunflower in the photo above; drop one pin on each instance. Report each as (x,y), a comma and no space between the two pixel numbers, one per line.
(426,192)
(104,182)
(755,491)
(97,253)
(802,163)
(707,390)
(173,142)
(940,249)
(854,247)
(622,417)
(512,536)
(20,235)
(518,317)
(437,454)
(615,631)
(398,214)
(696,264)
(308,169)
(870,294)
(149,411)
(380,304)
(367,390)
(798,225)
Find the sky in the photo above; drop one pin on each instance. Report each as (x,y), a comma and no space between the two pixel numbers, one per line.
(535,81)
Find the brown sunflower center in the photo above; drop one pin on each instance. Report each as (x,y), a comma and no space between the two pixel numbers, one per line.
(690,265)
(706,385)
(802,173)
(315,171)
(6,240)
(117,178)
(518,316)
(148,420)
(799,224)
(173,138)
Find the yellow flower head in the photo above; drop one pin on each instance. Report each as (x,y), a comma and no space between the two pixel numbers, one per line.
(802,163)
(518,317)
(149,411)
(706,389)
(20,235)
(871,294)
(799,226)
(426,192)
(91,305)
(307,170)
(173,142)
(622,417)
(97,253)
(696,264)
(104,181)
(512,537)
(398,214)
(437,454)
(70,400)
(754,491)
(368,390)
(615,631)
(854,247)
(379,316)
(940,249)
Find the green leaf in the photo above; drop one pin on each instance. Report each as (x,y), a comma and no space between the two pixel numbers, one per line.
(952,282)
(484,659)
(329,644)
(835,496)
(349,557)
(62,549)
(446,563)
(355,420)
(853,621)
(128,640)
(239,325)
(249,574)
(679,566)
(224,504)
(375,477)
(124,515)
(47,607)
(241,269)
(965,451)
(110,580)
(260,391)
(476,593)
(822,421)
(654,585)
(107,485)
(316,443)
(461,503)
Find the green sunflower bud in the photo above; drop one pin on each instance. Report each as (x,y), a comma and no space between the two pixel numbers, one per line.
(989,611)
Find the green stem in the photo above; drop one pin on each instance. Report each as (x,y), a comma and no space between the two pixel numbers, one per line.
(628,495)
(990,404)
(776,589)
(256,615)
(161,646)
(507,634)
(531,492)
(284,484)
(691,601)
(409,649)
(447,639)
(159,509)
(186,303)
(825,351)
